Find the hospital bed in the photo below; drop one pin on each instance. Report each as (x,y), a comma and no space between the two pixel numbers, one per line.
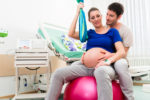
(52,34)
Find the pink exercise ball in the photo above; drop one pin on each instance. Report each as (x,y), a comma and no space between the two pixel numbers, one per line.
(92,56)
(85,88)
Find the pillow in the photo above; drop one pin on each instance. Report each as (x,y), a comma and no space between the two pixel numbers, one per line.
(72,44)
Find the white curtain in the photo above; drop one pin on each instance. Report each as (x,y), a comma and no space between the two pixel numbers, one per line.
(137,18)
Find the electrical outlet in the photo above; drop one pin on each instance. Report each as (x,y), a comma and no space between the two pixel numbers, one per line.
(26,83)
(43,79)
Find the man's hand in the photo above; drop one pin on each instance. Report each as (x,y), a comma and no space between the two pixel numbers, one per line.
(103,63)
(107,56)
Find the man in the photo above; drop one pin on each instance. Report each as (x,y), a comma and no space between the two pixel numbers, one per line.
(114,13)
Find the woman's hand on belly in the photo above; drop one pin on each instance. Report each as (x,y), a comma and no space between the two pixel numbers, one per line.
(82,58)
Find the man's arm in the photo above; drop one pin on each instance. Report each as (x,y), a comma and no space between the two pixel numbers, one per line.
(126,51)
(108,55)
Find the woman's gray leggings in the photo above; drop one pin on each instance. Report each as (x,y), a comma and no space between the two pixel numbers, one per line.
(103,74)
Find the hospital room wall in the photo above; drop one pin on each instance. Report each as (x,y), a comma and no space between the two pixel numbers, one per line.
(63,12)
(22,18)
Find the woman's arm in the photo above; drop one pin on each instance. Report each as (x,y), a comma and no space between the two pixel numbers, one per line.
(72,33)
